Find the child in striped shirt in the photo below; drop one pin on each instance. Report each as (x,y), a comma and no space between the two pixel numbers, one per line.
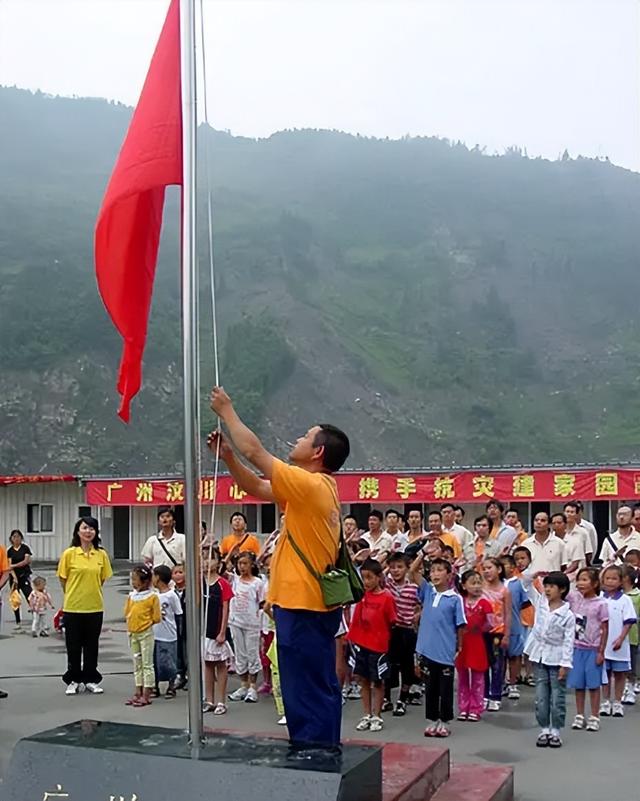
(402,647)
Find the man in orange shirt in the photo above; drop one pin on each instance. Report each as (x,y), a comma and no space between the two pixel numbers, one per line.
(239,541)
(5,572)
(437,532)
(305,627)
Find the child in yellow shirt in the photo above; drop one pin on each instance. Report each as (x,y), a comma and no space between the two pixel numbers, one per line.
(141,611)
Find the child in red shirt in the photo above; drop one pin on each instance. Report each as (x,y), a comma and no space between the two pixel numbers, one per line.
(472,661)
(370,633)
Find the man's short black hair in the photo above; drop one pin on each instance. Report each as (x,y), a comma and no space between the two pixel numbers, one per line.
(495,502)
(392,512)
(239,514)
(522,549)
(559,514)
(460,509)
(419,511)
(573,505)
(515,511)
(166,510)
(336,446)
(444,506)
(349,517)
(376,513)
(480,519)
(435,512)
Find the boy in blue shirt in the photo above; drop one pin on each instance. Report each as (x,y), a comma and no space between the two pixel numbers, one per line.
(519,600)
(439,640)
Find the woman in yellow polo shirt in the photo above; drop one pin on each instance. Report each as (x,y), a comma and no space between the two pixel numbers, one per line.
(83,568)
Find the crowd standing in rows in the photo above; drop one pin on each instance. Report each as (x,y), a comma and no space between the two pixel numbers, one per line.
(487,611)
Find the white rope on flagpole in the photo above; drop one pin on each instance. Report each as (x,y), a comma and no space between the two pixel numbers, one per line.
(212,282)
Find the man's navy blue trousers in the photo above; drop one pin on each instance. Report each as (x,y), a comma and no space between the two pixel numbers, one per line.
(307,665)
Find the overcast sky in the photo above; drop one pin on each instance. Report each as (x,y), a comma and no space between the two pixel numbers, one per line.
(543,74)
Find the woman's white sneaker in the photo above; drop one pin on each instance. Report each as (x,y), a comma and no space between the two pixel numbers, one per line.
(72,688)
(96,689)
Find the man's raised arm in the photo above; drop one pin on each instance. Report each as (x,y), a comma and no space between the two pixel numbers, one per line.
(246,479)
(241,436)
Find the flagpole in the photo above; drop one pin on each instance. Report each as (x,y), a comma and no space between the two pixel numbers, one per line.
(191,383)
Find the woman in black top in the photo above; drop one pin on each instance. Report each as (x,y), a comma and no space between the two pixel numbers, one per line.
(19,556)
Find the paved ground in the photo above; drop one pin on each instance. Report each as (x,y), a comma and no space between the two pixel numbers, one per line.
(589,767)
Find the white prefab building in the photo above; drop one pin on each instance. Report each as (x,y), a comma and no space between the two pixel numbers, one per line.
(46,512)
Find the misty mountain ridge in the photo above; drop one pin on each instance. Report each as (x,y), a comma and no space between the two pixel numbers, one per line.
(443,306)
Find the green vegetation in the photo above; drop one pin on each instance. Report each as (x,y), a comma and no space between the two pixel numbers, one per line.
(444,306)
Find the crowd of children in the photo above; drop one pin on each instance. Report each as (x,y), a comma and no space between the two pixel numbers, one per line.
(502,623)
(584,638)
(483,618)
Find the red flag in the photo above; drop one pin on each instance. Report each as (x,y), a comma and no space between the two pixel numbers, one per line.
(128,225)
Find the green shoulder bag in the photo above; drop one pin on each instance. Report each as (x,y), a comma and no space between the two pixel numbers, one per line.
(340,584)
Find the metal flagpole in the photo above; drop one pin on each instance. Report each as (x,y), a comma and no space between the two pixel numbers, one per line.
(190,368)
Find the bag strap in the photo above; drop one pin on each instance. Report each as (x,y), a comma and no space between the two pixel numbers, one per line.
(239,545)
(303,558)
(341,541)
(614,547)
(166,550)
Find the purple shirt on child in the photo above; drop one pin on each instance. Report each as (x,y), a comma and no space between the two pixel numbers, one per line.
(590,614)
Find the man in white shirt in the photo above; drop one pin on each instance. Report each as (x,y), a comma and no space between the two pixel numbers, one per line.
(379,541)
(574,555)
(589,528)
(574,529)
(167,547)
(625,538)
(547,550)
(464,537)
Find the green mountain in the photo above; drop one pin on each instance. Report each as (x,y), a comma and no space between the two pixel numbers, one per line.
(443,306)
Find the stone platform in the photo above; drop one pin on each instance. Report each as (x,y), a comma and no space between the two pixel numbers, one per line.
(91,760)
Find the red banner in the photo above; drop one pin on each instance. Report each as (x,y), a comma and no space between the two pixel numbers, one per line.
(5,481)
(389,488)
